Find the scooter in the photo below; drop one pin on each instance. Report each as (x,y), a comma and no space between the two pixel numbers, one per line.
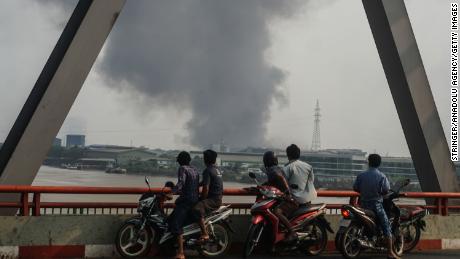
(308,222)
(137,235)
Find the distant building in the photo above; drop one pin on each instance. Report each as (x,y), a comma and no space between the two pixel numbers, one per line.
(345,163)
(120,155)
(57,142)
(328,165)
(398,166)
(241,160)
(75,141)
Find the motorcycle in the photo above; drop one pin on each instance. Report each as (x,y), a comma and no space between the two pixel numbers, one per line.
(359,229)
(308,222)
(137,235)
(412,224)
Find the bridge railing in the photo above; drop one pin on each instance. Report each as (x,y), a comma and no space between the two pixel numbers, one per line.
(30,202)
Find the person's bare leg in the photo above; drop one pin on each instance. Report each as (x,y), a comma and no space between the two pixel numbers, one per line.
(391,253)
(286,223)
(180,249)
(204,232)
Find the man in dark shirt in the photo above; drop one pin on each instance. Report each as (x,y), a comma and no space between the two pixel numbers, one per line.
(372,185)
(187,188)
(275,178)
(211,194)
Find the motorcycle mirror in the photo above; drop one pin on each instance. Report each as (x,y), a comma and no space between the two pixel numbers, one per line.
(402,184)
(147,182)
(294,186)
(252,175)
(406,182)
(169,184)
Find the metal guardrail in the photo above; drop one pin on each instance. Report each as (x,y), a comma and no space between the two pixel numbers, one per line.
(35,207)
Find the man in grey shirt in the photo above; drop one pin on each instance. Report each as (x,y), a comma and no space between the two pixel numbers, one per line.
(372,185)
(299,173)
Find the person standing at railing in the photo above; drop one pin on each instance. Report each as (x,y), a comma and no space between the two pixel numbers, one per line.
(372,185)
(211,193)
(301,174)
(187,188)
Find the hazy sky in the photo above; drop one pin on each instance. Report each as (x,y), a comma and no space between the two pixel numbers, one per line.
(253,70)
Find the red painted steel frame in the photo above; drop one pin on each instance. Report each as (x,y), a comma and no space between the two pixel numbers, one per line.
(441,206)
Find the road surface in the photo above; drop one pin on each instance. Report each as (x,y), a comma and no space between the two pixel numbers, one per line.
(448,254)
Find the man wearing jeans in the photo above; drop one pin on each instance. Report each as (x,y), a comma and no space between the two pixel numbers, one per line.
(372,185)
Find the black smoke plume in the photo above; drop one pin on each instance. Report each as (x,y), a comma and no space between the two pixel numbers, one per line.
(204,56)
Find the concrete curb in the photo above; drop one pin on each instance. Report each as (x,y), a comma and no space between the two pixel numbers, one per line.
(109,251)
(93,236)
(423,245)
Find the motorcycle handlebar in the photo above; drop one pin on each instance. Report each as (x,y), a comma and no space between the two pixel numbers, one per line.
(402,195)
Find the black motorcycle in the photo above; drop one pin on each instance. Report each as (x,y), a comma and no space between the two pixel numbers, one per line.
(359,229)
(137,235)
(412,224)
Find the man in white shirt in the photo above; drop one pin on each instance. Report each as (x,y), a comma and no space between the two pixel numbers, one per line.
(299,173)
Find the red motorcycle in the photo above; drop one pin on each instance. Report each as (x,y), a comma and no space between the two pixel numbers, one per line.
(308,222)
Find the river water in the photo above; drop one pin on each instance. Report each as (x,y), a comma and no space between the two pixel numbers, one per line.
(50,176)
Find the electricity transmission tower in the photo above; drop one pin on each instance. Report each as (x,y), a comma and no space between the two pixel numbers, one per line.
(316,140)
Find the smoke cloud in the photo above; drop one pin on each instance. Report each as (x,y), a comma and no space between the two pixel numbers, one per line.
(207,57)
(203,56)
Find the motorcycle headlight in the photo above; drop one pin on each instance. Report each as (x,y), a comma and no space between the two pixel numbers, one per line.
(144,204)
(268,193)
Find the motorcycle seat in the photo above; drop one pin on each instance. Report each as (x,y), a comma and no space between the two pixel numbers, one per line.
(307,208)
(217,211)
(366,212)
(369,213)
(361,211)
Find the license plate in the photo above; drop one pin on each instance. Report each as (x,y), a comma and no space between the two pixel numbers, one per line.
(344,222)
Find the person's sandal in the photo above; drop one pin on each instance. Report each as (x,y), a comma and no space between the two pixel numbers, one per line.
(180,256)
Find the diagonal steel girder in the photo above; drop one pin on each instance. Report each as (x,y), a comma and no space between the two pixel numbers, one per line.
(55,90)
(409,86)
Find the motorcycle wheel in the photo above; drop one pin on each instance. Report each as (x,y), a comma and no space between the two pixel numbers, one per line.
(219,242)
(251,239)
(338,237)
(318,232)
(411,235)
(349,245)
(133,243)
